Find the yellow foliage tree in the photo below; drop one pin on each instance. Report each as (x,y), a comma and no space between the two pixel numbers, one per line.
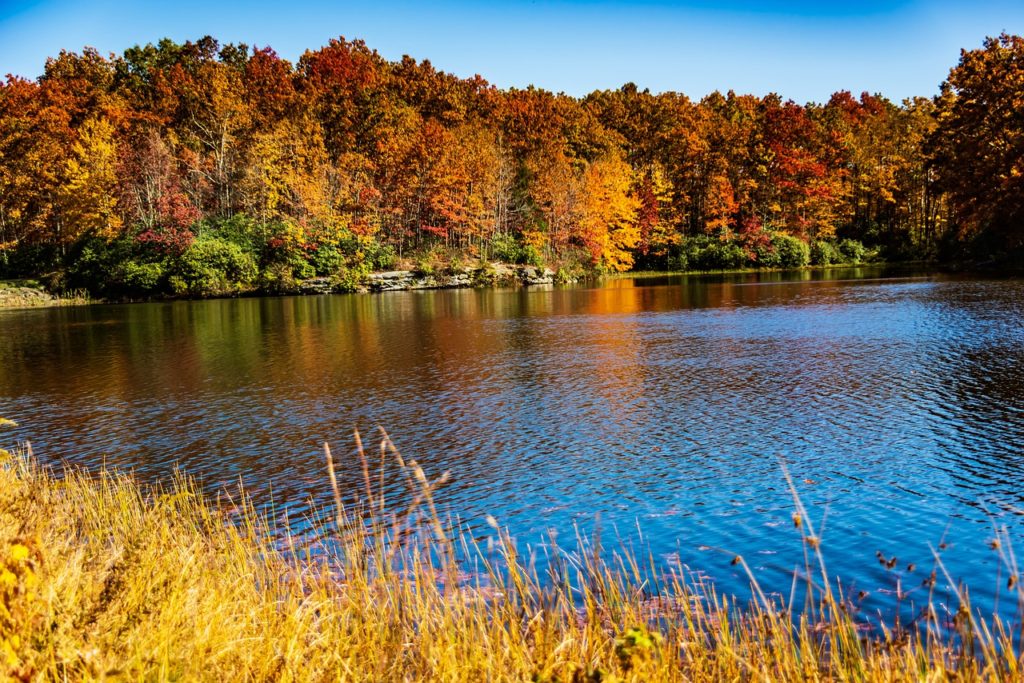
(608,213)
(87,196)
(286,174)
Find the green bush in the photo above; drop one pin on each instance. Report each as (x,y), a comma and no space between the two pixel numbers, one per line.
(139,279)
(91,269)
(119,268)
(278,278)
(426,264)
(367,251)
(29,260)
(710,253)
(530,256)
(790,252)
(566,274)
(768,255)
(240,229)
(678,260)
(505,248)
(301,267)
(690,250)
(825,253)
(852,251)
(327,259)
(508,249)
(350,279)
(378,256)
(212,266)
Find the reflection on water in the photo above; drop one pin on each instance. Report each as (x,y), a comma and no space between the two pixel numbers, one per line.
(662,403)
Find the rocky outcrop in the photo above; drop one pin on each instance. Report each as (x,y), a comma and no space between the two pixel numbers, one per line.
(488,275)
(25,297)
(536,276)
(492,274)
(395,280)
(316,285)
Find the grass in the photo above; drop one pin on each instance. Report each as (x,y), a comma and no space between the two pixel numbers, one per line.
(31,294)
(102,578)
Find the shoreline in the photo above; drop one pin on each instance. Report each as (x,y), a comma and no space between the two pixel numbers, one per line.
(25,294)
(94,564)
(29,294)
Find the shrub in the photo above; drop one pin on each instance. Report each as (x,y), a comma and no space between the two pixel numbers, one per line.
(91,269)
(706,253)
(368,251)
(212,266)
(791,252)
(485,275)
(240,229)
(852,251)
(289,246)
(28,260)
(139,279)
(430,262)
(505,248)
(825,253)
(350,279)
(378,256)
(678,260)
(278,278)
(767,255)
(122,267)
(529,255)
(327,259)
(689,252)
(114,268)
(567,274)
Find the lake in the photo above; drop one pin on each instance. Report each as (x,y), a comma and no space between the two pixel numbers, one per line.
(659,410)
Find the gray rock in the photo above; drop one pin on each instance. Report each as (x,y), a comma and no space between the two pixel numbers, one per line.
(316,285)
(536,276)
(491,274)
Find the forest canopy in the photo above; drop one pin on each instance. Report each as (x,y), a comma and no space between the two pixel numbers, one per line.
(202,168)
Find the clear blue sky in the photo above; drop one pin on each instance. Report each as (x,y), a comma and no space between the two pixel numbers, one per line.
(801,50)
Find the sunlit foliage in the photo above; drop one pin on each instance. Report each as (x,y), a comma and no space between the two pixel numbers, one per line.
(157,146)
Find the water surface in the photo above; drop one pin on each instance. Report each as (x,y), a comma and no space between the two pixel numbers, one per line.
(657,406)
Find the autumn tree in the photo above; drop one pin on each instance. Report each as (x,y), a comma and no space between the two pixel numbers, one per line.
(798,194)
(607,222)
(212,117)
(27,175)
(87,196)
(978,147)
(171,142)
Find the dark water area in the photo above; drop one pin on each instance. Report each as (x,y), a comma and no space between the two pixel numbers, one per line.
(659,409)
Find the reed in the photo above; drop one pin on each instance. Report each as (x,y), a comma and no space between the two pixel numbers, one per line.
(103,578)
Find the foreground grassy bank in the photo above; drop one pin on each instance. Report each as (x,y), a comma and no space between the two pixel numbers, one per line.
(103,578)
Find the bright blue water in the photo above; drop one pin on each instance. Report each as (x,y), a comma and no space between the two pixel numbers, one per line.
(662,407)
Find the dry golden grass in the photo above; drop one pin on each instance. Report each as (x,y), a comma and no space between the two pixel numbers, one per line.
(101,578)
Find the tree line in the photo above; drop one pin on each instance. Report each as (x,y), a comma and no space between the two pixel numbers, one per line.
(203,168)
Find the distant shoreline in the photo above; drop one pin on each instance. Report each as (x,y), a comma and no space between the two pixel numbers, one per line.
(28,294)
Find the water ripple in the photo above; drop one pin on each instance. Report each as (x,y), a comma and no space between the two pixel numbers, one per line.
(670,403)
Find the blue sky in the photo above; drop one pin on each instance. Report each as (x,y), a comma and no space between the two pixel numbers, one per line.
(801,50)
